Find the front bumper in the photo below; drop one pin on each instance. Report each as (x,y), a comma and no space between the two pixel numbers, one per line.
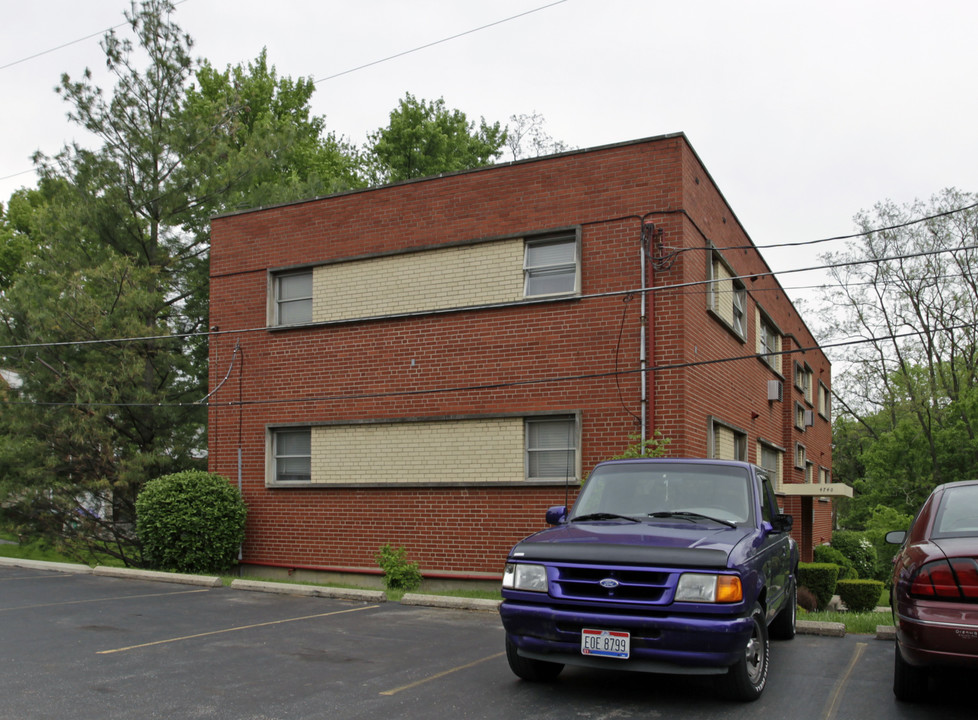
(660,642)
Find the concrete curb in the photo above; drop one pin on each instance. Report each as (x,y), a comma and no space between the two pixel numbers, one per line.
(885,632)
(826,629)
(131,574)
(372,596)
(44,565)
(448,601)
(804,627)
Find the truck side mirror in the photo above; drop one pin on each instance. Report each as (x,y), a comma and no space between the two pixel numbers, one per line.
(556,515)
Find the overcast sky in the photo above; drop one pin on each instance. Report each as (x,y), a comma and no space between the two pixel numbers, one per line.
(804,113)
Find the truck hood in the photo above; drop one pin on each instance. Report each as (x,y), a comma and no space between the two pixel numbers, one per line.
(646,543)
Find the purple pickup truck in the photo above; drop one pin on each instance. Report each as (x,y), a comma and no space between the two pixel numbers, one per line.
(663,566)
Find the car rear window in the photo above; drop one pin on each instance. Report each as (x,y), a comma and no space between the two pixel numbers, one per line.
(958,513)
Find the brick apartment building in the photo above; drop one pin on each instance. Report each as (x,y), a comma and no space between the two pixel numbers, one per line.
(432,364)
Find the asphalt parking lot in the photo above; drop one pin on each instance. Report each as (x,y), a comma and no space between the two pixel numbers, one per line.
(84,646)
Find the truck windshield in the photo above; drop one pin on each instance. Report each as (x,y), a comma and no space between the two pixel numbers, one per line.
(639,490)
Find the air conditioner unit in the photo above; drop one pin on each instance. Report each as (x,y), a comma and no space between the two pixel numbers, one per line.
(809,418)
(775,391)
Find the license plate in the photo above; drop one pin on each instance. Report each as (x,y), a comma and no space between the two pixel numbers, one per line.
(605,643)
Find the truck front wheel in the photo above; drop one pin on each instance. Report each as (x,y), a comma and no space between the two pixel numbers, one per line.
(529,668)
(747,678)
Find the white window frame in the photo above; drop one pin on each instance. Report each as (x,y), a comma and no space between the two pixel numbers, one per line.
(723,280)
(771,458)
(275,456)
(768,342)
(278,301)
(801,456)
(739,440)
(566,269)
(824,401)
(800,416)
(803,380)
(567,444)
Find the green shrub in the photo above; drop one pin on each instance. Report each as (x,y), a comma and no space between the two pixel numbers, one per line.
(191,522)
(399,573)
(829,554)
(860,551)
(820,578)
(859,595)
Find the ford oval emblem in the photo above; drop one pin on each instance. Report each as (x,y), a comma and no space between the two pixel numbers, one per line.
(609,583)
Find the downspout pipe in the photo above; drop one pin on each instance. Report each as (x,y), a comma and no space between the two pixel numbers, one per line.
(642,355)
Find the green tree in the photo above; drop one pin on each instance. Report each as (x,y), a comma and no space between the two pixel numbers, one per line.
(269,148)
(426,138)
(113,245)
(907,399)
(15,221)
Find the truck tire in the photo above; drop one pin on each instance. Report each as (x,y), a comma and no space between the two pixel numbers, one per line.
(784,623)
(746,679)
(529,668)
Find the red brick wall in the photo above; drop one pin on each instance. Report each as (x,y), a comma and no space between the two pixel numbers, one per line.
(361,371)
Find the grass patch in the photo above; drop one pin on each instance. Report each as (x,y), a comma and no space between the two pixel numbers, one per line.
(44,551)
(856,623)
(33,550)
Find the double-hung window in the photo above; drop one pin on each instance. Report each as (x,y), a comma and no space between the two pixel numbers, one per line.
(728,443)
(292,294)
(550,266)
(728,296)
(551,448)
(292,454)
(768,342)
(770,459)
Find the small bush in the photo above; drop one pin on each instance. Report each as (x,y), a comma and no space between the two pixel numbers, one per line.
(820,579)
(191,522)
(829,554)
(860,551)
(859,595)
(399,573)
(807,600)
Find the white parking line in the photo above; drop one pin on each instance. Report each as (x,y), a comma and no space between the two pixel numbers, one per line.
(833,706)
(232,629)
(440,675)
(100,600)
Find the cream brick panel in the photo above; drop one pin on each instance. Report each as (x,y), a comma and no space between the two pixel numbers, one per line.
(483,450)
(419,282)
(724,446)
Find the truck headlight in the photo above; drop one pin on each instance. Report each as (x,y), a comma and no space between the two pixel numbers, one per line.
(707,588)
(520,576)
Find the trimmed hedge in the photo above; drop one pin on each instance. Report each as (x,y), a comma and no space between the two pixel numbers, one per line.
(859,595)
(821,579)
(829,554)
(190,522)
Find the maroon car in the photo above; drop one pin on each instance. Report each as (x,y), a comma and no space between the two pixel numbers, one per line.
(935,589)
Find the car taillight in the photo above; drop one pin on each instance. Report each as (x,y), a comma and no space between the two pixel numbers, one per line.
(954,580)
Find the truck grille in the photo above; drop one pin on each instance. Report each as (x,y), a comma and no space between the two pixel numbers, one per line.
(618,584)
